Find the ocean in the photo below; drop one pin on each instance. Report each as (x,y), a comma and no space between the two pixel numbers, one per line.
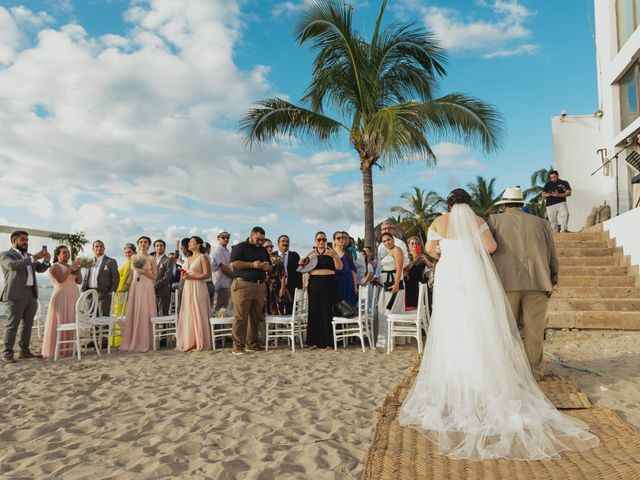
(45,289)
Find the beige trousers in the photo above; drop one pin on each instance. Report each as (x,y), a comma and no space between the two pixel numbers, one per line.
(248,307)
(530,310)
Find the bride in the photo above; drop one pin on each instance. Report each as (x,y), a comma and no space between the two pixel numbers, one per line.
(475,395)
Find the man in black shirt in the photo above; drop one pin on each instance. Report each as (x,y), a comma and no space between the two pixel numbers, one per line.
(556,192)
(250,262)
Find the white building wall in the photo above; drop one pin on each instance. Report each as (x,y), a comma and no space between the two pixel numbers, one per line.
(626,230)
(575,141)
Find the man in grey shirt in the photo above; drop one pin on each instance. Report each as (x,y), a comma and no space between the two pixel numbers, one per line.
(222,272)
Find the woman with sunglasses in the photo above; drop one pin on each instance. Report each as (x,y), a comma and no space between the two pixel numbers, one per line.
(275,282)
(323,293)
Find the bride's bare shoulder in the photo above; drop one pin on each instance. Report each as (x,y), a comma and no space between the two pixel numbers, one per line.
(480,220)
(440,224)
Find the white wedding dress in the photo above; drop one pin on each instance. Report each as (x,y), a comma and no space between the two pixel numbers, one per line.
(475,395)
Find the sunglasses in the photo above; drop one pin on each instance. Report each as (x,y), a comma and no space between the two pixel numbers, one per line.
(268,246)
(321,239)
(224,238)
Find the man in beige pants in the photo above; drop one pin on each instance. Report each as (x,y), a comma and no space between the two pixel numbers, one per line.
(527,264)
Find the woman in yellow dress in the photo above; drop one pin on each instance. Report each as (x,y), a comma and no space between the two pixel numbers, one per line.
(120,309)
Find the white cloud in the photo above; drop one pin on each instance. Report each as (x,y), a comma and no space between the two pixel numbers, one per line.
(497,27)
(456,156)
(288,8)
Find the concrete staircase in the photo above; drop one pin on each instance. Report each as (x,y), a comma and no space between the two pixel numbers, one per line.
(598,287)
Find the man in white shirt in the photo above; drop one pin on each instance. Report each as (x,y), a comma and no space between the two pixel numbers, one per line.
(102,276)
(20,293)
(221,271)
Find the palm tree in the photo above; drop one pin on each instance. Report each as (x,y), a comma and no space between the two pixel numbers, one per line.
(382,92)
(422,208)
(537,204)
(74,241)
(483,197)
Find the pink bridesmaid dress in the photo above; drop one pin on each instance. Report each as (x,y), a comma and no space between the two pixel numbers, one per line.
(193,331)
(141,306)
(62,309)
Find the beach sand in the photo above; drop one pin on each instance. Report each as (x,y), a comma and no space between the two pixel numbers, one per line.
(276,414)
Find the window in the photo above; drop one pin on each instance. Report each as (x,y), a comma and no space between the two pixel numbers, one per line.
(628,19)
(629,107)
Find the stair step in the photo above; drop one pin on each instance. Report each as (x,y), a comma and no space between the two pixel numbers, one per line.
(595,320)
(612,261)
(585,252)
(581,236)
(596,292)
(596,281)
(581,244)
(595,305)
(592,271)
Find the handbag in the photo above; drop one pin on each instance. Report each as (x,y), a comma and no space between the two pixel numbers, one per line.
(344,309)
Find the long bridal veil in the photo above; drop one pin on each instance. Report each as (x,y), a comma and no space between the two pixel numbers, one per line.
(475,395)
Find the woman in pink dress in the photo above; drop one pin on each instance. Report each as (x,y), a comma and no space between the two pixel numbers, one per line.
(193,332)
(62,306)
(141,306)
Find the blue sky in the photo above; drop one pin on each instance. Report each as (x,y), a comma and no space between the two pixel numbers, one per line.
(125,111)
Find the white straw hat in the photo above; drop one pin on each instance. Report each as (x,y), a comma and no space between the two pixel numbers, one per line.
(512,195)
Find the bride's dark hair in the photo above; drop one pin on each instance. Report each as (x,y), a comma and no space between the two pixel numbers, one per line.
(458,195)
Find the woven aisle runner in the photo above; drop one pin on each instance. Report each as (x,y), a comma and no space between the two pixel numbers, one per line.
(398,453)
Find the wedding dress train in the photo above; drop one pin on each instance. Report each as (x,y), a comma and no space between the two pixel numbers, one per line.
(475,395)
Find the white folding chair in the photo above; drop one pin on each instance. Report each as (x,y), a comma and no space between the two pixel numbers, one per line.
(39,320)
(344,328)
(409,324)
(221,328)
(83,327)
(111,327)
(165,326)
(291,326)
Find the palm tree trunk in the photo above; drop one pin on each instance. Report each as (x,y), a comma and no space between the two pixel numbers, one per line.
(366,166)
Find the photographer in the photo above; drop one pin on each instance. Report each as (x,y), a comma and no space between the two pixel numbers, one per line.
(250,262)
(556,192)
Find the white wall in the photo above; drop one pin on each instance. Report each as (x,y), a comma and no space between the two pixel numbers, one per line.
(625,229)
(575,141)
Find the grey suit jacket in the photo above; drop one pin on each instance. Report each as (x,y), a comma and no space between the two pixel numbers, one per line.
(108,277)
(526,256)
(162,285)
(14,268)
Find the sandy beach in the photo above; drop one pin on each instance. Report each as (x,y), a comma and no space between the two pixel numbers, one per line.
(275,414)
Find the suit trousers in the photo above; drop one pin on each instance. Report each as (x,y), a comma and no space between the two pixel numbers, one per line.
(530,310)
(20,313)
(248,308)
(163,302)
(104,303)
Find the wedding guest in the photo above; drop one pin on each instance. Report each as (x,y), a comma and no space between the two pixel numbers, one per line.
(371,258)
(20,292)
(389,228)
(556,192)
(364,268)
(350,244)
(193,332)
(347,276)
(175,272)
(275,282)
(292,278)
(102,276)
(123,284)
(415,273)
(391,298)
(527,264)
(323,293)
(137,336)
(250,263)
(210,286)
(162,284)
(62,305)
(222,271)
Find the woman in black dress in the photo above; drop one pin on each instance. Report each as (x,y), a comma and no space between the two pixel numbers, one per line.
(323,293)
(414,272)
(275,282)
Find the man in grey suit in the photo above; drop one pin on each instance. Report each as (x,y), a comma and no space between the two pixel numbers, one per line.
(527,264)
(162,285)
(20,293)
(102,276)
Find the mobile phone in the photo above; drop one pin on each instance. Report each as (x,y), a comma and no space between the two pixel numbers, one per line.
(330,244)
(44,248)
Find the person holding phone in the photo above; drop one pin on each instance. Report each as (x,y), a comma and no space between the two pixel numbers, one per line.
(20,292)
(415,272)
(250,263)
(323,293)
